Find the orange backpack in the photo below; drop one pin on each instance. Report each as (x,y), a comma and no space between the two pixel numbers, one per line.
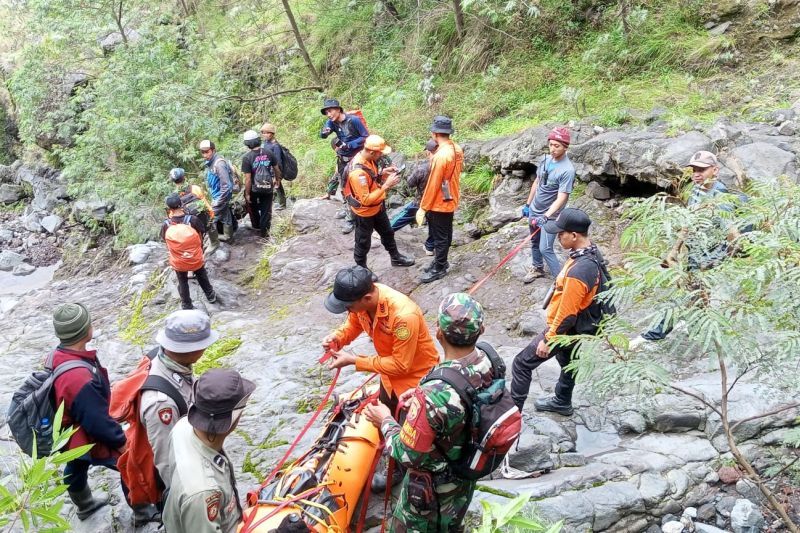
(136,464)
(360,115)
(184,245)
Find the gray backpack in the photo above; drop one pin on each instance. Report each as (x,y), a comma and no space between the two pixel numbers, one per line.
(31,413)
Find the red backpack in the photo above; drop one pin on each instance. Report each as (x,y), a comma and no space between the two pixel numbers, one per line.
(493,421)
(184,245)
(136,464)
(360,115)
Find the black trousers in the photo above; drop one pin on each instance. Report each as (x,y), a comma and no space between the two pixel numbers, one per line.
(262,210)
(526,361)
(440,227)
(363,235)
(183,286)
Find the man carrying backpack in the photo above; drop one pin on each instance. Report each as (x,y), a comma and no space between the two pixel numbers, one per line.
(269,143)
(182,234)
(262,176)
(194,202)
(219,177)
(571,310)
(436,430)
(85,394)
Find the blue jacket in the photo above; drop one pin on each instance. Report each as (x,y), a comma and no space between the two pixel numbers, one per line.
(351,131)
(220,181)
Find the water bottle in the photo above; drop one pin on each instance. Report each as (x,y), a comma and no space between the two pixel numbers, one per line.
(446,191)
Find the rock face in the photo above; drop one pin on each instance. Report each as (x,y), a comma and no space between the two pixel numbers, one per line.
(9,260)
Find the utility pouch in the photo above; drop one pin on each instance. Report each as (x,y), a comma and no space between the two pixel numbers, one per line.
(549,296)
(420,491)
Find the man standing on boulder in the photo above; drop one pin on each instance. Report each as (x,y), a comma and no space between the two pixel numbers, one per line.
(220,183)
(549,194)
(365,192)
(351,134)
(570,311)
(440,200)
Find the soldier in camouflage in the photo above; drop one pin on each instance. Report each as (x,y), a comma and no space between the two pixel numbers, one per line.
(432,499)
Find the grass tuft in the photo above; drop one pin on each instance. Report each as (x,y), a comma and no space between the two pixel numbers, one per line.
(212,358)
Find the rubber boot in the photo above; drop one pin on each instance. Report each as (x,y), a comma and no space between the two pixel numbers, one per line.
(227,236)
(213,239)
(144,514)
(85,503)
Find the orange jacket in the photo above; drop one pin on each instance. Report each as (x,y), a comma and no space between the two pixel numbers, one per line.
(405,348)
(575,287)
(364,188)
(446,165)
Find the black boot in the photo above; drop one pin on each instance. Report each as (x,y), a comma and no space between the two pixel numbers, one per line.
(144,514)
(553,405)
(85,503)
(433,274)
(401,260)
(432,265)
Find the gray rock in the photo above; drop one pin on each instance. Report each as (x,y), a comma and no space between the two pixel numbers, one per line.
(678,482)
(221,255)
(532,323)
(472,230)
(612,501)
(632,422)
(95,209)
(782,115)
(653,487)
(10,193)
(725,505)
(531,453)
(395,200)
(788,128)
(309,214)
(668,518)
(32,222)
(746,517)
(9,260)
(23,269)
(760,161)
(138,254)
(6,235)
(598,191)
(672,526)
(700,527)
(706,512)
(505,202)
(653,529)
(720,29)
(749,490)
(688,447)
(52,223)
(573,507)
(113,40)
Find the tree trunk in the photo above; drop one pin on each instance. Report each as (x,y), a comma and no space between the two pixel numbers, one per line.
(459,18)
(117,12)
(299,39)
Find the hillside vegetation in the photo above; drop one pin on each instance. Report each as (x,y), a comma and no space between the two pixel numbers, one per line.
(117,113)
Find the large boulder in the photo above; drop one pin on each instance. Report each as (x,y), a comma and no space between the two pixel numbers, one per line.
(52,223)
(760,160)
(92,209)
(10,193)
(9,260)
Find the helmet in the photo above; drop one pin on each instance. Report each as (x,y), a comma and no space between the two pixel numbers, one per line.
(177,175)
(251,139)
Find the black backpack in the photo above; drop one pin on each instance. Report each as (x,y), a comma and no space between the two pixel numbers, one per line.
(493,421)
(289,167)
(588,320)
(32,413)
(263,173)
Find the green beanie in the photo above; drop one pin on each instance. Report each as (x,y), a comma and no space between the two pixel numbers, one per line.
(71,322)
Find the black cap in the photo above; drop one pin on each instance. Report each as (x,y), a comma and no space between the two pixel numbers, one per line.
(442,124)
(173,201)
(351,284)
(329,103)
(217,394)
(570,219)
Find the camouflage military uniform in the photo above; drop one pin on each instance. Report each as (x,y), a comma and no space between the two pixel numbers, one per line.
(431,498)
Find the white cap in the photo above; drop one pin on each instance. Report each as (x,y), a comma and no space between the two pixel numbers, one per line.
(251,135)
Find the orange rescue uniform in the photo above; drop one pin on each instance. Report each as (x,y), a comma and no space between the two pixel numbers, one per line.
(575,288)
(446,165)
(405,347)
(365,188)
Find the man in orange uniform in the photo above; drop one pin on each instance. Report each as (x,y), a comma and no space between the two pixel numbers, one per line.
(441,196)
(365,192)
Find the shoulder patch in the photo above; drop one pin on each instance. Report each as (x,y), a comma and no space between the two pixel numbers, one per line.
(402,332)
(212,506)
(416,433)
(165,415)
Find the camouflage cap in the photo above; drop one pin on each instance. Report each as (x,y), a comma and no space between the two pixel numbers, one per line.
(460,318)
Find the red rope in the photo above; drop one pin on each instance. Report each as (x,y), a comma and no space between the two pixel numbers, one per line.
(247,528)
(505,260)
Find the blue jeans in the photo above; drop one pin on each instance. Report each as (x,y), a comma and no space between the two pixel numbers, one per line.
(405,217)
(76,472)
(542,251)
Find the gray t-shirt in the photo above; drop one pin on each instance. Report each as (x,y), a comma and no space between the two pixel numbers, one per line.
(554,177)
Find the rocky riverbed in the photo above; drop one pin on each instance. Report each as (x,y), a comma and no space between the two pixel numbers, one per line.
(625,464)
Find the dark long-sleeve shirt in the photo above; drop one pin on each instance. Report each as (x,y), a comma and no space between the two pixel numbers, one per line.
(351,131)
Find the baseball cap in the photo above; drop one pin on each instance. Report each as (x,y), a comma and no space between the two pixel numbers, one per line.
(461,319)
(350,285)
(570,219)
(703,159)
(442,124)
(377,144)
(217,394)
(185,331)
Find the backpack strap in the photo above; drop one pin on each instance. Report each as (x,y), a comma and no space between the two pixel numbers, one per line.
(187,219)
(457,380)
(63,368)
(157,383)
(498,365)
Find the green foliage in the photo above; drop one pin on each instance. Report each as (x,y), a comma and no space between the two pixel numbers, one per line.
(478,179)
(510,517)
(135,326)
(212,358)
(35,496)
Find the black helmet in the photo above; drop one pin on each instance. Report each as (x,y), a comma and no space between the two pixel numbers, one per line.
(329,103)
(177,175)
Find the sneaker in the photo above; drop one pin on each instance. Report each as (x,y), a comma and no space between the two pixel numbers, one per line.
(533,273)
(347,227)
(212,298)
(427,252)
(553,405)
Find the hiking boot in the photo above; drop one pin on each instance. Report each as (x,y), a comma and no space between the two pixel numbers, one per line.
(347,227)
(379,480)
(533,273)
(553,405)
(433,274)
(432,265)
(427,252)
(227,234)
(85,503)
(340,215)
(401,260)
(144,514)
(212,298)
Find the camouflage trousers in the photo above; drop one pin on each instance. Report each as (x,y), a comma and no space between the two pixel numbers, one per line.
(444,513)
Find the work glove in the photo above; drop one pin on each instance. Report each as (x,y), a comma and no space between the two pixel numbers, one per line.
(420,218)
(526,210)
(539,221)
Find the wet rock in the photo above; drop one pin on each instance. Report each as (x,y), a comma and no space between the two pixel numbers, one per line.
(10,193)
(598,191)
(52,223)
(729,474)
(9,260)
(23,269)
(746,517)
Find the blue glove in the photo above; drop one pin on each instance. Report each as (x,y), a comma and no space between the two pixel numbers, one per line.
(526,210)
(539,221)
